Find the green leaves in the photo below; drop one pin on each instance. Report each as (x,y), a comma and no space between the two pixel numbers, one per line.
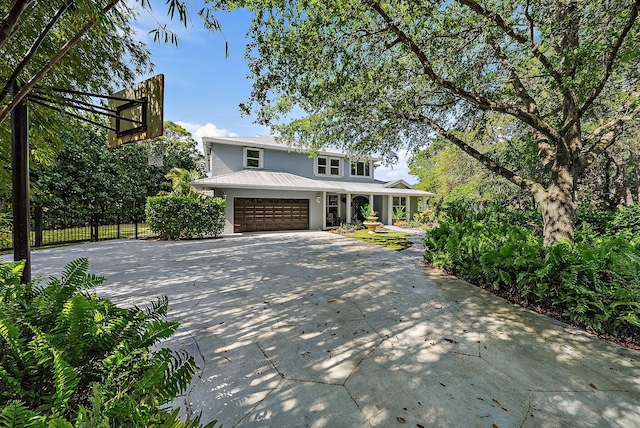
(181,181)
(594,282)
(180,217)
(74,184)
(70,358)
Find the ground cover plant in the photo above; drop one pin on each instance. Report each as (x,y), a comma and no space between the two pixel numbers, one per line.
(593,282)
(70,358)
(394,240)
(348,228)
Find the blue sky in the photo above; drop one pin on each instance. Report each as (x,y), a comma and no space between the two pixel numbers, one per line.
(203,89)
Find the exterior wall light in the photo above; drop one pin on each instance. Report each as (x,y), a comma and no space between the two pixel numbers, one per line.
(318,198)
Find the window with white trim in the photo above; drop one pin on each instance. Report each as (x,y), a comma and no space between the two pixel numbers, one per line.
(328,166)
(253,158)
(361,169)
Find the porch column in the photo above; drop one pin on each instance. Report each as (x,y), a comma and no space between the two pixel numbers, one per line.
(348,206)
(408,207)
(371,203)
(390,210)
(324,210)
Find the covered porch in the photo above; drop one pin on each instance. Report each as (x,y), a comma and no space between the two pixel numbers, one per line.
(341,208)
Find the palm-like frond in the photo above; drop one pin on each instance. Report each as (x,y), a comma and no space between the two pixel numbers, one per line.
(70,358)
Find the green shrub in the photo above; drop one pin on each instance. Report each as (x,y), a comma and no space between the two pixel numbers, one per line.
(461,210)
(70,358)
(181,217)
(423,216)
(626,220)
(366,210)
(596,219)
(594,282)
(399,213)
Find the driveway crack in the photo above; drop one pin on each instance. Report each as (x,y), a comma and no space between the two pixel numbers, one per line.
(526,415)
(200,373)
(270,360)
(361,360)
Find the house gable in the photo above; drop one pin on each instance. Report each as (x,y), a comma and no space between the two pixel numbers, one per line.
(398,184)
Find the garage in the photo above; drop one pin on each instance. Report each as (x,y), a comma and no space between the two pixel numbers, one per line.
(256,214)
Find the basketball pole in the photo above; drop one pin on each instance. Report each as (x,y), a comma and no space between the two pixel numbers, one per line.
(20,175)
(20,150)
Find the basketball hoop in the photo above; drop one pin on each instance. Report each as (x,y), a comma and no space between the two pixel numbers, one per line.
(139,112)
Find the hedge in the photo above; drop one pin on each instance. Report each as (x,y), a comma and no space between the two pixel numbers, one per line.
(182,217)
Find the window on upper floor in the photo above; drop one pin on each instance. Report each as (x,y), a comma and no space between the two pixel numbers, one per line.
(328,166)
(253,158)
(361,169)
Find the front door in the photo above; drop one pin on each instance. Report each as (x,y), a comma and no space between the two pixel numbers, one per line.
(356,204)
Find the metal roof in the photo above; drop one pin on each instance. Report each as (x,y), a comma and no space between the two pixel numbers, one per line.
(252,179)
(264,141)
(276,180)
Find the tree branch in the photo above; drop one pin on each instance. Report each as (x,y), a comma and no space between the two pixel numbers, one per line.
(604,136)
(9,22)
(516,82)
(490,164)
(34,47)
(545,152)
(530,119)
(24,90)
(613,53)
(530,19)
(501,23)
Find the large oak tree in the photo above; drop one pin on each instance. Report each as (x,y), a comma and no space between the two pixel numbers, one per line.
(373,75)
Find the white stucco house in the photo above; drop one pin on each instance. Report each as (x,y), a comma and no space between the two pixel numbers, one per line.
(270,186)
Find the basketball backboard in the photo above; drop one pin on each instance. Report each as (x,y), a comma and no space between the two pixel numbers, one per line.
(138,111)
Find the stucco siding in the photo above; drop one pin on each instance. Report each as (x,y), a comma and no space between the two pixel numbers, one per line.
(225,159)
(292,162)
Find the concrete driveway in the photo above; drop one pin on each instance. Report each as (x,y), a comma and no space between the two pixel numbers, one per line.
(315,329)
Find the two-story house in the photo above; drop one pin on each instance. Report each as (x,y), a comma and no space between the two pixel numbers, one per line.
(270,186)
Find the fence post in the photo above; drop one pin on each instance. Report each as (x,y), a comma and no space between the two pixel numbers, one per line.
(37,219)
(135,223)
(118,220)
(94,226)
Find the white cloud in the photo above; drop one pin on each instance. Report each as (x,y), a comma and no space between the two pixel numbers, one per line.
(209,130)
(198,131)
(398,171)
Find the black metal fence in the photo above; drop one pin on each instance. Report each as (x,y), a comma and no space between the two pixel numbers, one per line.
(56,228)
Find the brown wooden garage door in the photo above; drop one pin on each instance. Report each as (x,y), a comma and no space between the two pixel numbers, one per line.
(253,214)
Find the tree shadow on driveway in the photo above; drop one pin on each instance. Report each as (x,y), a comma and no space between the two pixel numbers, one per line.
(314,329)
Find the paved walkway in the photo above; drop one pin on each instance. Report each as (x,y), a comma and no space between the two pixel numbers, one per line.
(315,329)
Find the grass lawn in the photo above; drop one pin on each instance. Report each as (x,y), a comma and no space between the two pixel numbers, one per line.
(395,240)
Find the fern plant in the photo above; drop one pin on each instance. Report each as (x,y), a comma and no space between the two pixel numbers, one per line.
(594,282)
(71,358)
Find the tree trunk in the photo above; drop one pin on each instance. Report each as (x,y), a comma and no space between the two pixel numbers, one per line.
(559,207)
